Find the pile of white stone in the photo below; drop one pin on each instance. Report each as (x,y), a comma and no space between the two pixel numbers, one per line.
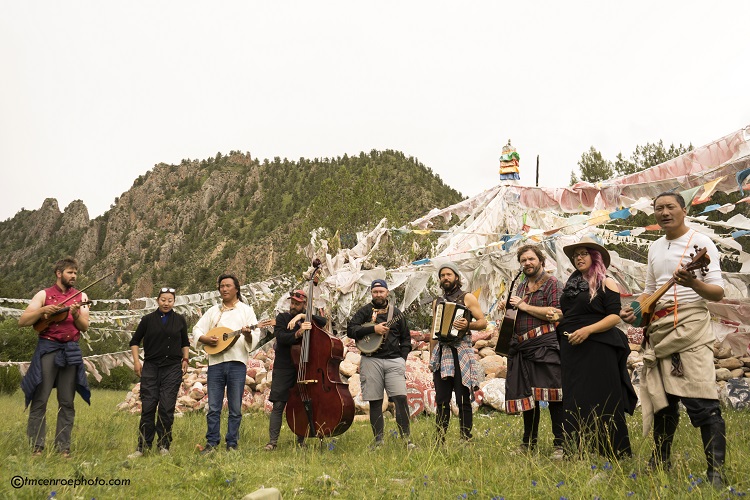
(420,389)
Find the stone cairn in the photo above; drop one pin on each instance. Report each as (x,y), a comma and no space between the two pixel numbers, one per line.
(732,374)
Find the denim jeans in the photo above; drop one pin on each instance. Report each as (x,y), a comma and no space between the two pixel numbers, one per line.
(230,374)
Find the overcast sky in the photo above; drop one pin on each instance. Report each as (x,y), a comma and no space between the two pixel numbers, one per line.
(93,94)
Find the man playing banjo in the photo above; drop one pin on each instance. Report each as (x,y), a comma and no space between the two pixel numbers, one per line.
(385,368)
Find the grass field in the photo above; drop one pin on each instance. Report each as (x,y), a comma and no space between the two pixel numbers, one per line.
(343,466)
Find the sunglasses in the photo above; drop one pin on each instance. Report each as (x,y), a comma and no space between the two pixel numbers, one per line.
(297,295)
(167,290)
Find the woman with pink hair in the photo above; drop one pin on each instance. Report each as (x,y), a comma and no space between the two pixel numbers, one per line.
(597,391)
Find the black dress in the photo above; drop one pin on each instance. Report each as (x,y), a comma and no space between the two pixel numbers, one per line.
(597,391)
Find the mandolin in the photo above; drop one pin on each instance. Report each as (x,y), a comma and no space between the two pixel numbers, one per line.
(644,309)
(227,337)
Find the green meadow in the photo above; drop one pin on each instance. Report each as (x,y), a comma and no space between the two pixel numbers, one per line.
(487,468)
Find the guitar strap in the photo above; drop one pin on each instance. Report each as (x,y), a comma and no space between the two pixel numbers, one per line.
(390,312)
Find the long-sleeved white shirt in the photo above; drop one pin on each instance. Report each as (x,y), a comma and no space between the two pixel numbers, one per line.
(664,256)
(241,315)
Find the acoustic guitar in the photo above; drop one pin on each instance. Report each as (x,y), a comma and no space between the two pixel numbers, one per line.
(227,337)
(508,325)
(644,309)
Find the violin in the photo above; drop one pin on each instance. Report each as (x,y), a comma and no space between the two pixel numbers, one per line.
(62,314)
(57,317)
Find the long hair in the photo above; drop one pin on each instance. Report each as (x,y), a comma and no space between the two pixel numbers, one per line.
(236,283)
(596,273)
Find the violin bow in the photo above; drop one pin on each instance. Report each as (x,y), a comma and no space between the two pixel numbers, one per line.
(86,288)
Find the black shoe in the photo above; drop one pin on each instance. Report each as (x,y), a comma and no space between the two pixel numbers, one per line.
(209,448)
(231,447)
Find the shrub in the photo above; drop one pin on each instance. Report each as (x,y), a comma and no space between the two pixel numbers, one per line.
(120,378)
(10,380)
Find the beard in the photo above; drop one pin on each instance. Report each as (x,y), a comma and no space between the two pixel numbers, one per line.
(531,272)
(379,303)
(67,283)
(448,285)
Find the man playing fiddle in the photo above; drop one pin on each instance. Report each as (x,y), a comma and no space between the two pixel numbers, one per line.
(57,360)
(290,326)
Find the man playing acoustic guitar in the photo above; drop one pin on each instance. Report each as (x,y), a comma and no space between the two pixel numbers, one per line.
(57,360)
(534,357)
(678,360)
(384,369)
(228,368)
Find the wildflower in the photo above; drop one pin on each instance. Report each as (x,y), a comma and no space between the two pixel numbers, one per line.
(630,493)
(593,467)
(633,475)
(607,466)
(474,492)
(331,446)
(560,483)
(533,483)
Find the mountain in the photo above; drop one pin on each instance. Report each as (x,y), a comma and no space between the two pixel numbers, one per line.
(183,225)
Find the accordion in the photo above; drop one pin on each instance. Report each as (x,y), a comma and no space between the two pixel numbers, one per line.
(444,314)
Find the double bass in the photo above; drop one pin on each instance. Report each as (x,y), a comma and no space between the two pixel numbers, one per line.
(320,404)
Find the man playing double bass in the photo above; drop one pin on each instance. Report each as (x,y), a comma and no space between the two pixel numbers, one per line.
(534,358)
(384,369)
(288,331)
(57,360)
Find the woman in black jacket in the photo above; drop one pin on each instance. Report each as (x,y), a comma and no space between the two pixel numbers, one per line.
(165,343)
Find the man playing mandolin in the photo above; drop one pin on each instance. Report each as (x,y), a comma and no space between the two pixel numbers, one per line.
(678,357)
(57,360)
(534,356)
(228,368)
(385,368)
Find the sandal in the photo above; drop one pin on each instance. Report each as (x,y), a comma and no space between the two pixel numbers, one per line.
(270,447)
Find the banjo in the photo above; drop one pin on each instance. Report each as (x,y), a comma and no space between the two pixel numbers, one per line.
(372,342)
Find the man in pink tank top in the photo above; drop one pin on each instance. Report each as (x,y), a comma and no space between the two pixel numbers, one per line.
(57,360)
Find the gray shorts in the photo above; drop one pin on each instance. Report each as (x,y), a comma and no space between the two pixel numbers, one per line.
(377,374)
